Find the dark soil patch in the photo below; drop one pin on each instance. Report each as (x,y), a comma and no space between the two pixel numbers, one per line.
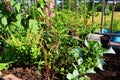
(30,73)
(111,69)
(24,73)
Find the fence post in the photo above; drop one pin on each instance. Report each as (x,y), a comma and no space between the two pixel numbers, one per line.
(85,11)
(93,4)
(105,12)
(102,15)
(55,4)
(76,3)
(62,4)
(113,8)
(69,2)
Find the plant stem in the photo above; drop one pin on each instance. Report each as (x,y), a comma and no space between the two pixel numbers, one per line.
(46,62)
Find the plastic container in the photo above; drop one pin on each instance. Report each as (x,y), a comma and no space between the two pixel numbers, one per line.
(106,31)
(116,38)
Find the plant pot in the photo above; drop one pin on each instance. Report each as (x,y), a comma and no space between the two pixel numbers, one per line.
(105,41)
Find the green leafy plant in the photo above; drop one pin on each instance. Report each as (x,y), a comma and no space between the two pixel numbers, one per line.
(31,42)
(87,59)
(59,43)
(23,34)
(23,47)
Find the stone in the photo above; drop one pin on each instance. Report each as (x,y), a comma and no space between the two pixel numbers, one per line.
(10,77)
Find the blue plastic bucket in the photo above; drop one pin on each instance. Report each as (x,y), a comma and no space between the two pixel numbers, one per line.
(116,38)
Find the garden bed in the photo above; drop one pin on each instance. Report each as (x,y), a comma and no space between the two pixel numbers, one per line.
(111,66)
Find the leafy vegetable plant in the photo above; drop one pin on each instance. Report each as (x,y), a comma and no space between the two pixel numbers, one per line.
(87,58)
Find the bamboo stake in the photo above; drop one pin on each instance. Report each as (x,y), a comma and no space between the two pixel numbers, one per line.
(102,15)
(93,4)
(62,4)
(76,3)
(112,17)
(55,5)
(69,2)
(85,11)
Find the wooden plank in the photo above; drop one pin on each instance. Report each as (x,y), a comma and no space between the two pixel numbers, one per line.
(114,44)
(111,34)
(94,37)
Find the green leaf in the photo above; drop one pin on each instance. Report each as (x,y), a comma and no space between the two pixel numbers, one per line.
(84,78)
(4,66)
(86,43)
(100,64)
(40,10)
(109,51)
(75,73)
(42,3)
(62,69)
(15,4)
(19,17)
(75,52)
(69,76)
(4,21)
(12,3)
(33,25)
(90,71)
(18,6)
(1,15)
(80,61)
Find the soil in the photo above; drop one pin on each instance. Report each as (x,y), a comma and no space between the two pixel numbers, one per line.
(111,71)
(30,73)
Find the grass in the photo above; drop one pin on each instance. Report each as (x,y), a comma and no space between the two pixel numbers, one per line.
(116,22)
(108,18)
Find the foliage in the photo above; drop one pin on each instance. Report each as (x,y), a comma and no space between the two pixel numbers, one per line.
(87,59)
(31,42)
(116,25)
(23,45)
(107,10)
(74,22)
(23,34)
(117,7)
(7,17)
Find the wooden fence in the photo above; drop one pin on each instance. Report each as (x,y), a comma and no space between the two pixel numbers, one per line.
(28,3)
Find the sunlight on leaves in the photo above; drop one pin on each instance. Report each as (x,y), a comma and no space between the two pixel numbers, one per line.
(100,64)
(90,71)
(80,61)
(69,76)
(4,21)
